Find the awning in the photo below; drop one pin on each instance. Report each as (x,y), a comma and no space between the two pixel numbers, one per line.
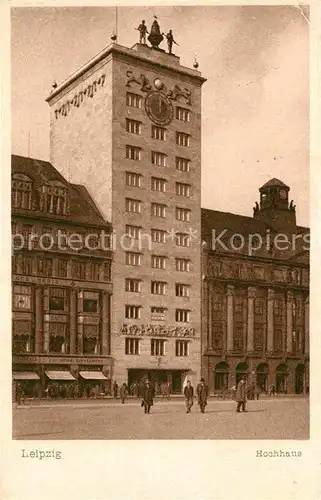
(93,375)
(25,376)
(59,375)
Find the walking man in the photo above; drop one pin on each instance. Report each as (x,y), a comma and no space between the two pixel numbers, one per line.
(189,396)
(148,396)
(123,393)
(202,393)
(241,395)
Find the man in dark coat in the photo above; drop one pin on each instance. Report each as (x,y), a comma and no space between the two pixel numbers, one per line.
(123,392)
(115,389)
(202,393)
(148,396)
(189,396)
(240,396)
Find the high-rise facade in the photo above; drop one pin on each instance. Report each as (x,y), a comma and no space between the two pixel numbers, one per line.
(127,125)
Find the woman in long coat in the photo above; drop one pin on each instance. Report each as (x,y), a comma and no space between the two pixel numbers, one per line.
(240,396)
(148,396)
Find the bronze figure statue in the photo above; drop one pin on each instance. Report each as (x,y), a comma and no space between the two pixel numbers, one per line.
(142,28)
(170,41)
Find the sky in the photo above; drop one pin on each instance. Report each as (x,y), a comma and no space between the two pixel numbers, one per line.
(255,103)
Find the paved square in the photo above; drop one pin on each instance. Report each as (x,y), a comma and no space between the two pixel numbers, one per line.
(266,419)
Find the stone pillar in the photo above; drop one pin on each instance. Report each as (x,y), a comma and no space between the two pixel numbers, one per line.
(209,305)
(105,323)
(250,318)
(270,321)
(39,320)
(73,322)
(230,317)
(289,321)
(306,326)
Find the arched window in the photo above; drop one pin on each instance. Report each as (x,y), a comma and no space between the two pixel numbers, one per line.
(21,191)
(221,376)
(54,198)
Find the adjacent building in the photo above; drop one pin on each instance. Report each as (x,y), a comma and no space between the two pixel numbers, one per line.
(61,283)
(255,295)
(128,126)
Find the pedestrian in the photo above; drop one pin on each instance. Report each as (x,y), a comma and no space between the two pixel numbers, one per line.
(115,389)
(123,393)
(189,396)
(257,392)
(148,396)
(272,390)
(20,394)
(241,395)
(202,393)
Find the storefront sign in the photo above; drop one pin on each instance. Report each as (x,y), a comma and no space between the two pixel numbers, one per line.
(38,280)
(157,330)
(60,360)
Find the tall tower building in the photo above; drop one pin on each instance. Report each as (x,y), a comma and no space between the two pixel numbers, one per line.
(127,125)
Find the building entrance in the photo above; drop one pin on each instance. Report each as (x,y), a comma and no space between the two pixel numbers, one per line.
(172,379)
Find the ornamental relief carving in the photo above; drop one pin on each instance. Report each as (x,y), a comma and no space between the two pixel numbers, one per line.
(174,93)
(157,330)
(79,98)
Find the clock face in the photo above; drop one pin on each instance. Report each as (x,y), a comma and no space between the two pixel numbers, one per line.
(282,194)
(159,108)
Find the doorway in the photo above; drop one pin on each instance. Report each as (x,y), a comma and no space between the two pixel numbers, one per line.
(299,379)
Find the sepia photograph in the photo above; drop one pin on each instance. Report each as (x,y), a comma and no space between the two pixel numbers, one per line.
(160,231)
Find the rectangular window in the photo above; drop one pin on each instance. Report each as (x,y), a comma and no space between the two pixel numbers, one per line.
(238,337)
(238,305)
(158,262)
(26,266)
(158,184)
(182,265)
(182,315)
(57,299)
(218,302)
(107,267)
(133,153)
(183,189)
(21,298)
(79,270)
(182,240)
(158,347)
(158,159)
(158,236)
(183,214)
(93,271)
(133,259)
(259,306)
(57,332)
(133,232)
(132,312)
(158,313)
(278,307)
(182,139)
(133,100)
(133,126)
(181,348)
(132,346)
(182,164)
(27,231)
(158,288)
(182,290)
(217,336)
(158,210)
(132,285)
(90,305)
(62,268)
(158,133)
(133,179)
(183,114)
(47,267)
(133,205)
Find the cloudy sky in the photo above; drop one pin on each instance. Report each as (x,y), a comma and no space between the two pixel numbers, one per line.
(255,100)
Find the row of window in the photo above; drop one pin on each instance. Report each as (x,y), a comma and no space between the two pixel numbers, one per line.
(157,347)
(158,158)
(159,133)
(53,196)
(134,179)
(133,312)
(57,299)
(58,268)
(157,287)
(157,261)
(135,101)
(157,210)
(260,306)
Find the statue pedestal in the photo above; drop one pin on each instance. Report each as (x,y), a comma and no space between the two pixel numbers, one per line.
(157,55)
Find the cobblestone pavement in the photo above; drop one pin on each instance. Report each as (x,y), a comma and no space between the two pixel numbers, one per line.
(279,418)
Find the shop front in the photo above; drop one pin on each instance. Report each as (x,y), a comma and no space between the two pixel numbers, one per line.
(93,383)
(26,384)
(59,383)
